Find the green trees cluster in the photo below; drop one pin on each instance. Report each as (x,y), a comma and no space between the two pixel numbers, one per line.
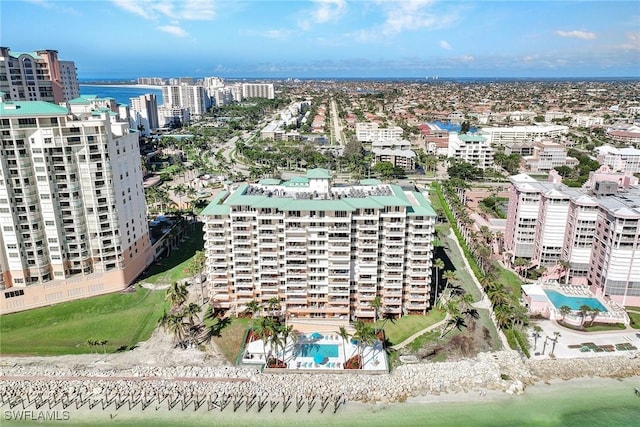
(267,325)
(464,171)
(576,176)
(510,316)
(509,162)
(187,322)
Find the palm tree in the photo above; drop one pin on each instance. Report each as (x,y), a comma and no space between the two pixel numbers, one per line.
(594,313)
(190,312)
(564,310)
(195,269)
(252,307)
(498,294)
(503,315)
(179,190)
(544,345)
(519,315)
(286,332)
(584,309)
(177,294)
(365,335)
(536,334)
(449,276)
(345,337)
(175,324)
(556,335)
(265,329)
(273,305)
(566,267)
(457,321)
(438,264)
(521,265)
(376,304)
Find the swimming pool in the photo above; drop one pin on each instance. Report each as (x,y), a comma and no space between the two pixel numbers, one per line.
(326,350)
(574,303)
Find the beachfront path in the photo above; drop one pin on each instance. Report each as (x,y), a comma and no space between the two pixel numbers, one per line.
(420,333)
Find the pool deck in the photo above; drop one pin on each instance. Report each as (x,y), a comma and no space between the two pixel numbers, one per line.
(374,356)
(540,302)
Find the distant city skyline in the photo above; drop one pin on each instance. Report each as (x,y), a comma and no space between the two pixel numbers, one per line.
(331,38)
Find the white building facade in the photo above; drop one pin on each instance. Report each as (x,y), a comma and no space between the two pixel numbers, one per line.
(471,148)
(323,251)
(72,205)
(369,132)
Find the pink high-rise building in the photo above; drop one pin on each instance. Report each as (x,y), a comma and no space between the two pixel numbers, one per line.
(614,268)
(599,236)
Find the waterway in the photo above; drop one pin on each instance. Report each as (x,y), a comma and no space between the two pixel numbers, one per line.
(121,94)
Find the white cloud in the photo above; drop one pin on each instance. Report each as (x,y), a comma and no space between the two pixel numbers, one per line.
(577,34)
(408,15)
(49,4)
(43,3)
(445,45)
(136,7)
(324,11)
(632,43)
(187,10)
(174,30)
(467,58)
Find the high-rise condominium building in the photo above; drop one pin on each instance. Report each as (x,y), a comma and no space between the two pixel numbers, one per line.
(599,236)
(258,90)
(37,76)
(144,113)
(72,207)
(194,98)
(323,250)
(614,269)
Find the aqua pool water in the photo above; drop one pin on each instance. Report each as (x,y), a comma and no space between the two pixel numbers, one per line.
(574,303)
(326,350)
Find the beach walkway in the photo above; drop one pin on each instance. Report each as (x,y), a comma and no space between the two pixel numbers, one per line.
(419,333)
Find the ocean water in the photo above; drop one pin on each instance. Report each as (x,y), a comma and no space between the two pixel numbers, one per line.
(593,402)
(120,93)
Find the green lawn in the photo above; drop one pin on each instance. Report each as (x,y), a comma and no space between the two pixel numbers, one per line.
(634,314)
(463,275)
(401,329)
(173,267)
(511,280)
(123,319)
(230,340)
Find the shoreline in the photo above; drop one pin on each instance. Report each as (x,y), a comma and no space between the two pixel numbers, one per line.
(446,409)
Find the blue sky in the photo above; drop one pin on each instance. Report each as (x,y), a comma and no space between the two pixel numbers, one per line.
(330,38)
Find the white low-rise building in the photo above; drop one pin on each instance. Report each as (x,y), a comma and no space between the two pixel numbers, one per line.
(626,160)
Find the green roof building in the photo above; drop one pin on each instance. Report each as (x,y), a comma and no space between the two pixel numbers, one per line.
(324,251)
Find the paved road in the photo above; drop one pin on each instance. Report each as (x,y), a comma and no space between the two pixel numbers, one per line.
(335,121)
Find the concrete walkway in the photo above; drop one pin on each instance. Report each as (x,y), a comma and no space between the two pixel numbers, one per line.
(420,333)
